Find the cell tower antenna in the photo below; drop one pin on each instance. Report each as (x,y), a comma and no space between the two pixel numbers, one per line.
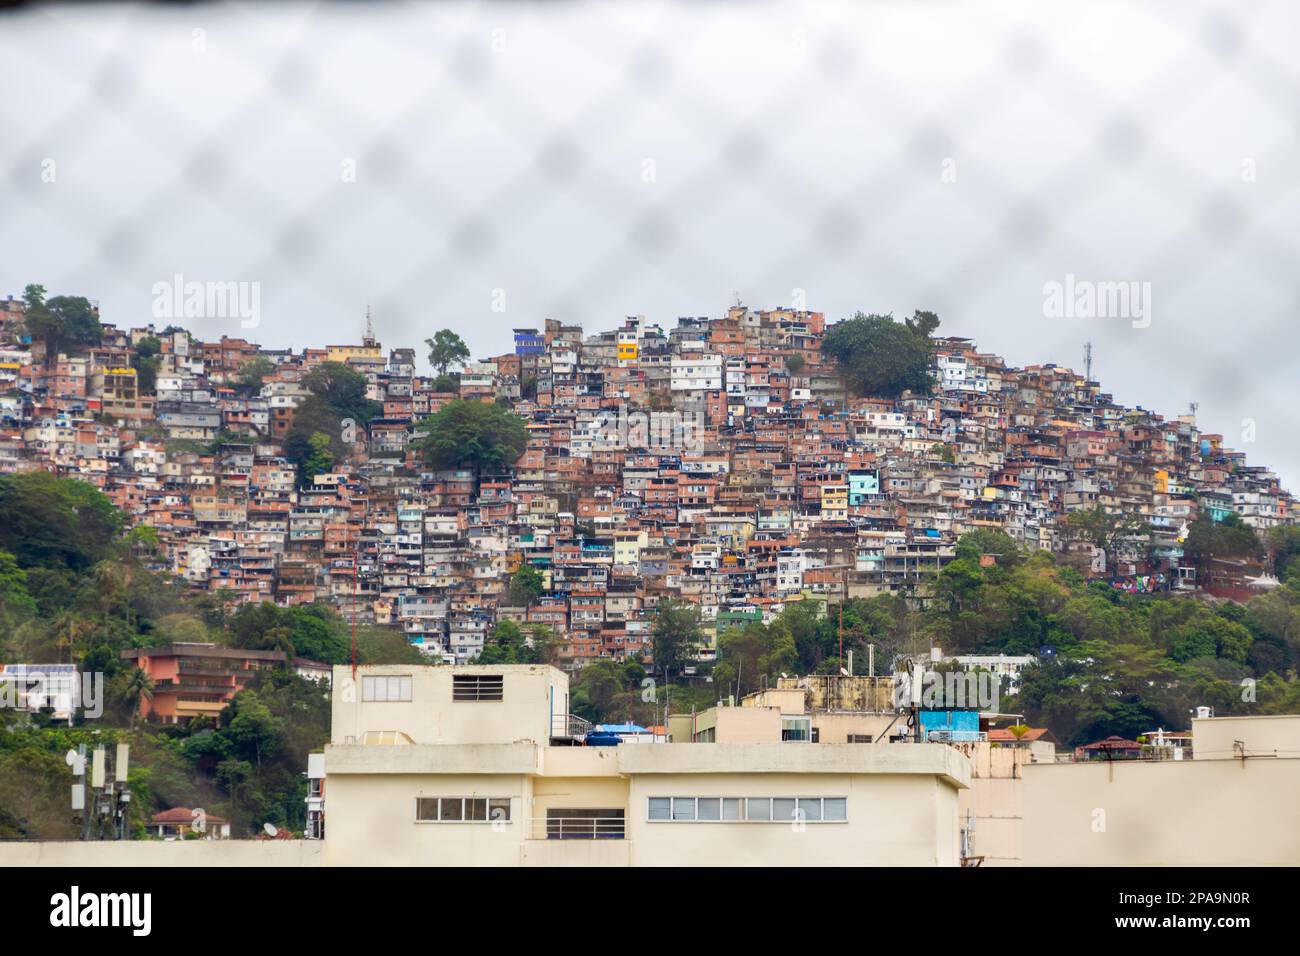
(369,338)
(1087,361)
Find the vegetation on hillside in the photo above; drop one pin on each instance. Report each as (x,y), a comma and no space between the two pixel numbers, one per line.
(73,590)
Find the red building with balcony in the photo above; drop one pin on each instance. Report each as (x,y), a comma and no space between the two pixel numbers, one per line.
(191,680)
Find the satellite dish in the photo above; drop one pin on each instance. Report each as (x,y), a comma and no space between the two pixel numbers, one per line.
(270,829)
(844,673)
(70,758)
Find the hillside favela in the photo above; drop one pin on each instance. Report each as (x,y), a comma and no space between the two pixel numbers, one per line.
(761,587)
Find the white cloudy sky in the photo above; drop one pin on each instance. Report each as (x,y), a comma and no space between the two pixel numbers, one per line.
(592,162)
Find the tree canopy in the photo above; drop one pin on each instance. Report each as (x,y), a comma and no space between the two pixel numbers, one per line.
(446,350)
(63,323)
(880,357)
(482,436)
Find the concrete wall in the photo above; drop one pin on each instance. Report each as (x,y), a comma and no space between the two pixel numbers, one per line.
(1213,738)
(532,696)
(370,821)
(164,853)
(902,803)
(741,725)
(892,821)
(1162,813)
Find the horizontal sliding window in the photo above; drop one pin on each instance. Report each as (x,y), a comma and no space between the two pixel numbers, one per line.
(462,809)
(747,809)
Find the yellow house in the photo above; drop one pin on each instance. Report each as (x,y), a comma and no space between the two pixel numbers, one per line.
(483,765)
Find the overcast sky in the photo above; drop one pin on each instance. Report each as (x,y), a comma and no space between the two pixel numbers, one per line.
(484,166)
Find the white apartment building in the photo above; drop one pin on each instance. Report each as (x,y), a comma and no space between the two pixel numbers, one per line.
(483,765)
(697,372)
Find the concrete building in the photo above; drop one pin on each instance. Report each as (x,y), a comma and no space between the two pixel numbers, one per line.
(481,765)
(191,680)
(1233,804)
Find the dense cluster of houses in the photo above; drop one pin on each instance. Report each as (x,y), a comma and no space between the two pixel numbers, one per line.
(719,462)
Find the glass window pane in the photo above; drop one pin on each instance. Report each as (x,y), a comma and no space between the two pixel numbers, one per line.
(733,809)
(683,808)
(759,809)
(499,808)
(783,809)
(476,808)
(660,808)
(426,809)
(406,688)
(709,808)
(835,808)
(451,808)
(810,809)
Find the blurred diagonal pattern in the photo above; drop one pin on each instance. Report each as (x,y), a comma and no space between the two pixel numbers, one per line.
(481,165)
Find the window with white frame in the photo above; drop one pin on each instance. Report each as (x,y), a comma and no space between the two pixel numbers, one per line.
(747,809)
(380,688)
(462,809)
(796,729)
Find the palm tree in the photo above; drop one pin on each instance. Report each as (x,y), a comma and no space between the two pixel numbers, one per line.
(139,687)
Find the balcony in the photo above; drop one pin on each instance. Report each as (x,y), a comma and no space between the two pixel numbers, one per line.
(563,823)
(569,728)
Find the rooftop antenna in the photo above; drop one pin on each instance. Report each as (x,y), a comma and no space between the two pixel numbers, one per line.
(1194,406)
(369,337)
(1087,360)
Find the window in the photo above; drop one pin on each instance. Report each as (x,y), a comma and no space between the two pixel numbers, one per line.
(580,823)
(377,688)
(796,728)
(747,809)
(477,687)
(859,738)
(462,809)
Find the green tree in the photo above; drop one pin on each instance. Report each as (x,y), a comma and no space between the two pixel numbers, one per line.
(752,656)
(343,390)
(146,362)
(446,350)
(253,373)
(321,458)
(253,729)
(675,636)
(1102,529)
(481,436)
(526,585)
(61,324)
(139,687)
(1209,540)
(57,523)
(877,356)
